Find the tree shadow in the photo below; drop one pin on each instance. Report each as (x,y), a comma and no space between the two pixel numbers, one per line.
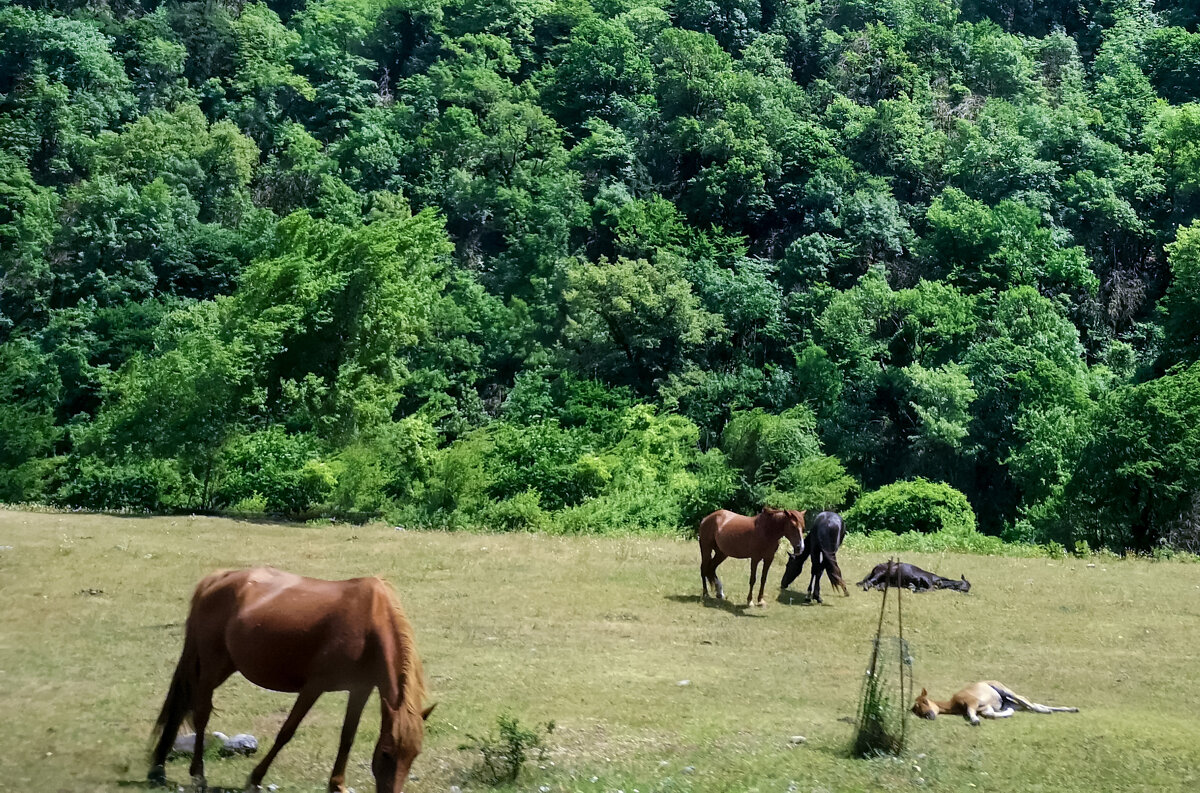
(737,609)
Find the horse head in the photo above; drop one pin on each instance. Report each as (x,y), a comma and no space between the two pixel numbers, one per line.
(793,529)
(924,707)
(399,744)
(783,523)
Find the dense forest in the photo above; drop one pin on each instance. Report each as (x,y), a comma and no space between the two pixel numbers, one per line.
(593,265)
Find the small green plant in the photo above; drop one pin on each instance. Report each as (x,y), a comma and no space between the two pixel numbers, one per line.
(875,735)
(882,727)
(505,752)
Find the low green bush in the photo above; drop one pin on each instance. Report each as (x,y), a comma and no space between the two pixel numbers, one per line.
(948,541)
(522,512)
(916,505)
(281,469)
(149,485)
(503,753)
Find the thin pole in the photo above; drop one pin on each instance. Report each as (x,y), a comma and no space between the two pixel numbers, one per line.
(900,627)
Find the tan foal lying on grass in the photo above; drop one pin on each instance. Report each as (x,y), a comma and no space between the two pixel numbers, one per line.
(988,698)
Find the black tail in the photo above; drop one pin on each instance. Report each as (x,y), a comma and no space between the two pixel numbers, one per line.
(177,707)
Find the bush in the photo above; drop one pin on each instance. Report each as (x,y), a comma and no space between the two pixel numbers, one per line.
(815,483)
(149,485)
(712,488)
(505,752)
(522,512)
(763,445)
(281,469)
(917,505)
(543,457)
(387,465)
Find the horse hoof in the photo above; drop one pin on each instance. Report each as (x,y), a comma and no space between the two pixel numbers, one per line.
(199,782)
(761,603)
(157,776)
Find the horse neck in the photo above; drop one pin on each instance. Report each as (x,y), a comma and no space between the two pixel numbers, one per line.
(943,706)
(403,690)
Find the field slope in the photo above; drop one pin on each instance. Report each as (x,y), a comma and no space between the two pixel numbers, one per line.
(596,634)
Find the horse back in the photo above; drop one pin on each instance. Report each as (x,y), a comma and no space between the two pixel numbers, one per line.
(284,631)
(828,531)
(727,530)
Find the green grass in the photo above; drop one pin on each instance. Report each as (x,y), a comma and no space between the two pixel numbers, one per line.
(595,634)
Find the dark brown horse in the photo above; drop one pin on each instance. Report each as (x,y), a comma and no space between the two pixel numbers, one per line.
(304,635)
(724,533)
(889,573)
(824,538)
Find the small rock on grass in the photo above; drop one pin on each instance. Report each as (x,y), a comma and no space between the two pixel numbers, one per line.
(797,739)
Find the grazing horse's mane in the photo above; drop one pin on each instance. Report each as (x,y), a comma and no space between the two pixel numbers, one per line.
(410,672)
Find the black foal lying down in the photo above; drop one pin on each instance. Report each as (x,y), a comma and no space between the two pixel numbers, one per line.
(888,574)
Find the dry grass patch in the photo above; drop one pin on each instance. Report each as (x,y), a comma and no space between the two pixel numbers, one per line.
(595,634)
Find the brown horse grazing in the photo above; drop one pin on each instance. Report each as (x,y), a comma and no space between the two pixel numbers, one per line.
(724,533)
(989,699)
(304,635)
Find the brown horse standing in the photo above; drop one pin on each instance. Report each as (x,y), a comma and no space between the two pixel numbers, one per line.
(724,533)
(304,635)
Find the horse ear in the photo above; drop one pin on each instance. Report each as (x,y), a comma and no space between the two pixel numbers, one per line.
(924,693)
(425,713)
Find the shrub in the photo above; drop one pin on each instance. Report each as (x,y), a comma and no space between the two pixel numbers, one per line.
(504,752)
(457,487)
(387,465)
(814,483)
(917,505)
(149,485)
(280,468)
(542,457)
(711,488)
(522,512)
(763,445)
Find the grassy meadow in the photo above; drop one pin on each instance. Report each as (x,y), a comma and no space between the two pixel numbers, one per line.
(596,634)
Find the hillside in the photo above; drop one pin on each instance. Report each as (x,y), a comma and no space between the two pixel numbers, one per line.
(596,265)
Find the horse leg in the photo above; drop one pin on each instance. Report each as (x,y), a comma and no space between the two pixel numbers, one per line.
(814,582)
(354,709)
(763,583)
(988,712)
(704,562)
(972,716)
(753,575)
(303,703)
(201,710)
(1036,708)
(717,557)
